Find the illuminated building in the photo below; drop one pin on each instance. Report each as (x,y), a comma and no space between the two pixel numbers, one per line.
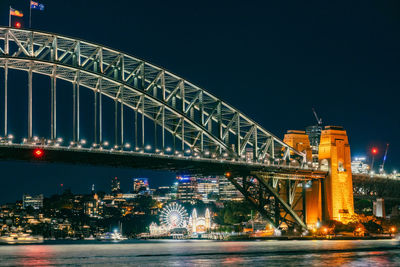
(207,189)
(199,225)
(227,191)
(115,186)
(358,165)
(32,201)
(157,230)
(164,193)
(314,136)
(186,189)
(140,185)
(94,207)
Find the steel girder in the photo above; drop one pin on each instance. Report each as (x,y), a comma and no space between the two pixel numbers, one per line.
(202,121)
(279,197)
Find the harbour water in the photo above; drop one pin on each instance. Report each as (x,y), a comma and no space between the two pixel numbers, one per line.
(205,253)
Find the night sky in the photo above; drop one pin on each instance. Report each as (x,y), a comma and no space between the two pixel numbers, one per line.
(273,60)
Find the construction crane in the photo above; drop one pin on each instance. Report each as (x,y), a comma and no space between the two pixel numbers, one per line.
(381,169)
(319,120)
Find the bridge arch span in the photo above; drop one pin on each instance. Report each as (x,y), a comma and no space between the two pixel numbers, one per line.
(204,123)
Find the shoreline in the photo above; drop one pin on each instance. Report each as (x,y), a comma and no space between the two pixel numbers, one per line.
(133,240)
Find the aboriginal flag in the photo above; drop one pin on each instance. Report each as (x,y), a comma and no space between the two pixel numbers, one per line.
(14,12)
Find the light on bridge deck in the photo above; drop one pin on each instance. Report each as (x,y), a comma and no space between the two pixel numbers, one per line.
(38,153)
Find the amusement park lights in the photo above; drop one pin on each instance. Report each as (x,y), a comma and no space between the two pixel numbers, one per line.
(173,216)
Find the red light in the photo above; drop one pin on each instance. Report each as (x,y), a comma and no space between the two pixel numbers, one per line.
(18,25)
(38,153)
(374,151)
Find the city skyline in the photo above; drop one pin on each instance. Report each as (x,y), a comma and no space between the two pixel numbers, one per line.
(307,72)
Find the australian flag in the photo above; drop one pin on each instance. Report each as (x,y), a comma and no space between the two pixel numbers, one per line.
(37,5)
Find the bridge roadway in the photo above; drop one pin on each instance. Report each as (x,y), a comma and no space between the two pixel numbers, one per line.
(140,160)
(375,186)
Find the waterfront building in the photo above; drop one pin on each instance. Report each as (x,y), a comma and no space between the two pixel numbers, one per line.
(199,224)
(158,230)
(33,201)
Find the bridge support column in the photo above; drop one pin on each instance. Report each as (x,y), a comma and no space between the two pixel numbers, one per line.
(5,99)
(30,102)
(312,207)
(334,156)
(53,105)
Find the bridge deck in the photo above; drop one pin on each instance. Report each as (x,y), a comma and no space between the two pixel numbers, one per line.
(190,165)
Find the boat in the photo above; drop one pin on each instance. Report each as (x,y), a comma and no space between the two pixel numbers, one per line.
(114,236)
(91,237)
(21,238)
(397,237)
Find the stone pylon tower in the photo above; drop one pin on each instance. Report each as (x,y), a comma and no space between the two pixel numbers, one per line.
(299,140)
(208,219)
(194,221)
(334,156)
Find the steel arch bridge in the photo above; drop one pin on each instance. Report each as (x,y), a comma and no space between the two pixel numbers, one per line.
(202,127)
(202,122)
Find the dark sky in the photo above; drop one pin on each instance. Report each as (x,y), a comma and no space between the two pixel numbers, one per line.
(273,60)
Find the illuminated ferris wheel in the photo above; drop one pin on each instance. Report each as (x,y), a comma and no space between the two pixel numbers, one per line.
(173,216)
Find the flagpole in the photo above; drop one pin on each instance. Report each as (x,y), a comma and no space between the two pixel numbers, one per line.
(9,17)
(30,14)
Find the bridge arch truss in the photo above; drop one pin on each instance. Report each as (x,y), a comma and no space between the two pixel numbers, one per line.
(203,123)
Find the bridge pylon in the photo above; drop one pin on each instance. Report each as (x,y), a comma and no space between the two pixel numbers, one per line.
(334,157)
(312,196)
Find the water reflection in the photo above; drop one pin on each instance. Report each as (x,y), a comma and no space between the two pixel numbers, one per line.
(34,255)
(206,253)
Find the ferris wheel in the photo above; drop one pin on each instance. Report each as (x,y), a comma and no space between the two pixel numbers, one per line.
(173,216)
